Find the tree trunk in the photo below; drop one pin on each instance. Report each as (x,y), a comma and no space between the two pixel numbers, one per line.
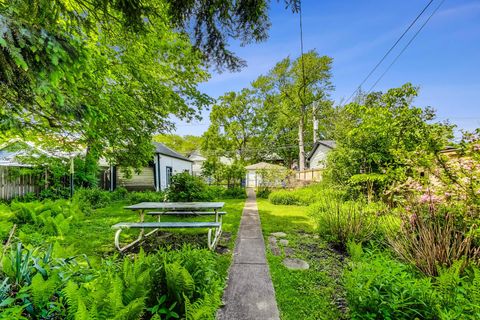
(301,147)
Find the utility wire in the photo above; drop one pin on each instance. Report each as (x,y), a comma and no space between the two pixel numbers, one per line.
(389,51)
(406,46)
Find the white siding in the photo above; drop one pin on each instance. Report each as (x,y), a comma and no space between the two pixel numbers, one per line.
(319,158)
(177,165)
(141,181)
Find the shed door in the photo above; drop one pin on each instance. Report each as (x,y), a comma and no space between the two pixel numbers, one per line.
(251,179)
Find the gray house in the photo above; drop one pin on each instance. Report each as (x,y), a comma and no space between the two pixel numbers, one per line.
(317,158)
(157,176)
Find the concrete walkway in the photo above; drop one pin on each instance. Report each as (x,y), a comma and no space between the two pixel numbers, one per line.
(249,294)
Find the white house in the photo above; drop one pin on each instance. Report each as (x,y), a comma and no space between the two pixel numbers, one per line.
(317,159)
(166,163)
(254,175)
(198,159)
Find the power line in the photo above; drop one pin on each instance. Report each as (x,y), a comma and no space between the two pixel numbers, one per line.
(406,46)
(389,51)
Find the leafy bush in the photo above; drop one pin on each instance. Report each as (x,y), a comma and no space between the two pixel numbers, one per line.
(185,187)
(340,222)
(380,287)
(94,197)
(51,217)
(145,196)
(119,194)
(263,193)
(234,193)
(170,284)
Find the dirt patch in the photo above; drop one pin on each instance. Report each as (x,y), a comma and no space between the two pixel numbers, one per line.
(328,259)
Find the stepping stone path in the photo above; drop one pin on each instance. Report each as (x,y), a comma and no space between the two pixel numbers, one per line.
(279,234)
(290,263)
(249,294)
(295,264)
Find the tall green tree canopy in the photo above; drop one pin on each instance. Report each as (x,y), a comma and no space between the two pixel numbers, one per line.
(183,144)
(108,91)
(108,73)
(297,89)
(234,125)
(384,138)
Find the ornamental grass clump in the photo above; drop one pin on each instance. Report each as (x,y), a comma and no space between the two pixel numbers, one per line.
(340,222)
(433,235)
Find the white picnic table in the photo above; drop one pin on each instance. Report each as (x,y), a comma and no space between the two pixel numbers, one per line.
(173,209)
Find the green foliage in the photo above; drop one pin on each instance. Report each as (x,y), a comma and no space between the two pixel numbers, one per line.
(183,144)
(382,140)
(52,217)
(185,187)
(37,284)
(380,287)
(234,193)
(304,196)
(219,173)
(263,192)
(342,222)
(293,90)
(234,125)
(94,197)
(145,196)
(433,236)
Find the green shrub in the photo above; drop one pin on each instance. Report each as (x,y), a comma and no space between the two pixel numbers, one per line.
(283,197)
(341,222)
(234,193)
(263,193)
(49,217)
(185,187)
(145,196)
(379,287)
(119,194)
(94,197)
(36,284)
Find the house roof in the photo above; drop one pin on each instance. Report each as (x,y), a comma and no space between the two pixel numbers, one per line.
(263,166)
(196,156)
(160,148)
(327,143)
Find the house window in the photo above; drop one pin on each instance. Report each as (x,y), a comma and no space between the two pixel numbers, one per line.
(169,175)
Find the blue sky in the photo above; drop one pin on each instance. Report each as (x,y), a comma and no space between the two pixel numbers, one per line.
(444,59)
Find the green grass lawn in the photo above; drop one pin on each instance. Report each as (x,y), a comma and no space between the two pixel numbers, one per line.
(315,293)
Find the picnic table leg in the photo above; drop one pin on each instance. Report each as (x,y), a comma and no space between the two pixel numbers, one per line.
(218,231)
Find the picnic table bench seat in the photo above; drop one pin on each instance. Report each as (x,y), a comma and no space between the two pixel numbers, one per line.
(181,213)
(178,209)
(166,225)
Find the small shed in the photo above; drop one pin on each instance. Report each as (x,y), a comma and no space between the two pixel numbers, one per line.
(255,176)
(317,158)
(165,163)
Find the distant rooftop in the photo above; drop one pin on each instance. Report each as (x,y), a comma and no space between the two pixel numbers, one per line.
(163,149)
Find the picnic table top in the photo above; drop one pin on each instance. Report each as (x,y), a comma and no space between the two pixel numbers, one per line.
(176,205)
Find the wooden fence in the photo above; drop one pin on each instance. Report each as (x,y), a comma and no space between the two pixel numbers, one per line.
(13,184)
(309,175)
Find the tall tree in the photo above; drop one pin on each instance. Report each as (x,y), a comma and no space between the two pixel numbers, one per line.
(183,144)
(295,87)
(383,139)
(234,124)
(114,97)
